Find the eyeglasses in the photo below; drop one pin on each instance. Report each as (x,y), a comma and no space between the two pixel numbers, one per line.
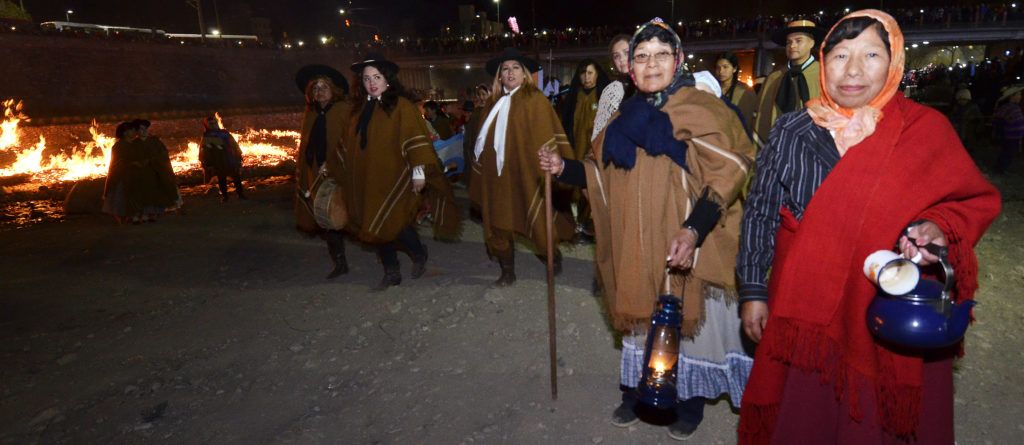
(644,58)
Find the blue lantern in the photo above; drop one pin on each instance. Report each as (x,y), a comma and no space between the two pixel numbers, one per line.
(661,355)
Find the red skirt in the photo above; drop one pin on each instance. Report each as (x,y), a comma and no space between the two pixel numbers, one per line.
(810,414)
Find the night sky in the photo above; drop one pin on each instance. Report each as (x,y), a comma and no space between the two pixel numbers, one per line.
(307,18)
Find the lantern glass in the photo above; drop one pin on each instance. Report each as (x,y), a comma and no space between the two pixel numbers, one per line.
(664,352)
(661,356)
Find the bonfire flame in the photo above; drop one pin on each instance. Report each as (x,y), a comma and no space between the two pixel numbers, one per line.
(90,159)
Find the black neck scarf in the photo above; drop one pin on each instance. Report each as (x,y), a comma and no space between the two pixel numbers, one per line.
(793,92)
(364,120)
(316,149)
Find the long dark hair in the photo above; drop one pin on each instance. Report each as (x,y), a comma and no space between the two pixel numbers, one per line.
(389,99)
(625,78)
(730,57)
(569,108)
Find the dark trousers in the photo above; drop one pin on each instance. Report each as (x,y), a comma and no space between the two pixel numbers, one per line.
(222,183)
(407,238)
(1009,148)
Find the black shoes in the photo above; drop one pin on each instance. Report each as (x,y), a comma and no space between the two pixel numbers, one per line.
(419,264)
(390,278)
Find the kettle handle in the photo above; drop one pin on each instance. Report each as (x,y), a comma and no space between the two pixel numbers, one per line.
(949,278)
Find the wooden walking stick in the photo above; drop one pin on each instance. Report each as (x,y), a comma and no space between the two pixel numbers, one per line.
(549,216)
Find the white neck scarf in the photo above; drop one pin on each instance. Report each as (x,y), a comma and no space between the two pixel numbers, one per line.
(499,112)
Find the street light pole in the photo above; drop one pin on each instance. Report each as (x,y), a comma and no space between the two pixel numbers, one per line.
(67,15)
(498,2)
(198,4)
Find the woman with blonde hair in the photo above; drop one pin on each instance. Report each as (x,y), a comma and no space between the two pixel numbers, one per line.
(507,183)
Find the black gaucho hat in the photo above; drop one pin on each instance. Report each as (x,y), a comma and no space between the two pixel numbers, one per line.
(512,54)
(375,59)
(804,26)
(123,128)
(309,72)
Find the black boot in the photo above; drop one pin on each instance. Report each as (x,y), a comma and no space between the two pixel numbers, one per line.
(558,261)
(336,248)
(392,277)
(419,264)
(508,270)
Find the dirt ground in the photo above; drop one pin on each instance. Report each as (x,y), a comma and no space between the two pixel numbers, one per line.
(217,326)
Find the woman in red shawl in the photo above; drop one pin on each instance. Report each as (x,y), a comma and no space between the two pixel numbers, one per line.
(841,179)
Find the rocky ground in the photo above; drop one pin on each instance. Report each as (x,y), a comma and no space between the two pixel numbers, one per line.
(217,326)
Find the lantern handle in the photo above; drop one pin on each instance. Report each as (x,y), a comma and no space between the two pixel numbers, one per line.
(668,281)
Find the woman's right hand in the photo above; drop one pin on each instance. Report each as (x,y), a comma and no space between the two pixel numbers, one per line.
(754,315)
(550,161)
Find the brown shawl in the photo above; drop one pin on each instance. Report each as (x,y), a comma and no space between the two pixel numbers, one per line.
(637,212)
(746,100)
(378,179)
(767,111)
(337,123)
(514,201)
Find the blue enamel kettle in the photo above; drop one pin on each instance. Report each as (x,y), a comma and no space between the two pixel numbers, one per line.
(923,318)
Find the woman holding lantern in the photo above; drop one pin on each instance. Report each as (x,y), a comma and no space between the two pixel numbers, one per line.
(664,179)
(850,173)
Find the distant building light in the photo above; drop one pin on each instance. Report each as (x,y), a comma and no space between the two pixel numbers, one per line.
(689,56)
(301,43)
(323,39)
(182,42)
(506,35)
(14,28)
(821,12)
(707,20)
(401,40)
(679,23)
(913,46)
(215,32)
(545,32)
(431,67)
(922,11)
(846,10)
(341,11)
(925,42)
(568,29)
(239,42)
(467,66)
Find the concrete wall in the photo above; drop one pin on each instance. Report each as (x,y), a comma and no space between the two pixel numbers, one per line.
(67,80)
(68,77)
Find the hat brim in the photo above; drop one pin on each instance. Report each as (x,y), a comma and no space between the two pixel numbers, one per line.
(531,65)
(310,72)
(1010,92)
(382,63)
(779,36)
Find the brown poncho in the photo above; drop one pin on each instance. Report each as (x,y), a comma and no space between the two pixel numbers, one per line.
(637,212)
(767,111)
(160,162)
(378,179)
(337,123)
(514,201)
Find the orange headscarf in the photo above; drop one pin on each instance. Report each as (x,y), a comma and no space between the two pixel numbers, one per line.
(854,125)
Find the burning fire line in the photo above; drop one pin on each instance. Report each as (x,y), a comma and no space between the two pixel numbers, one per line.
(90,159)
